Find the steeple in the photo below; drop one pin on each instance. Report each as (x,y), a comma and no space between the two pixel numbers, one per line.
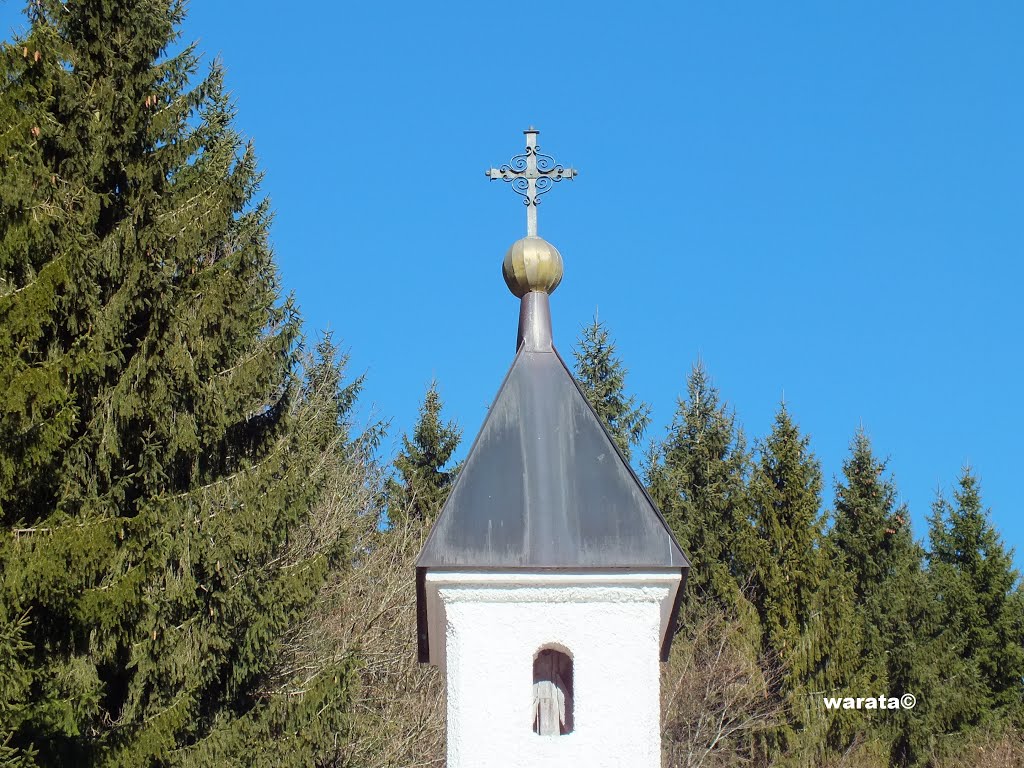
(548,554)
(544,484)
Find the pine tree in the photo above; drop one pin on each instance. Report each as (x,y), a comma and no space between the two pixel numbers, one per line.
(602,378)
(787,568)
(827,663)
(15,680)
(883,563)
(977,586)
(423,482)
(697,477)
(928,662)
(785,492)
(871,531)
(159,453)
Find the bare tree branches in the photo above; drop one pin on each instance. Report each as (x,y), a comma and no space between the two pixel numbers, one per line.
(715,694)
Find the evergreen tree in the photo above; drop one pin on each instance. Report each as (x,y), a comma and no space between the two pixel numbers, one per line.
(927,661)
(697,477)
(883,563)
(787,568)
(159,454)
(785,492)
(977,586)
(602,378)
(870,530)
(15,680)
(423,482)
(826,663)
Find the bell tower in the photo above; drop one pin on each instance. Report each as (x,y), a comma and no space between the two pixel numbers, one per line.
(548,588)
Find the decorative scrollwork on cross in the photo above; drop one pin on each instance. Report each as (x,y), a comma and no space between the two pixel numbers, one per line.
(531,174)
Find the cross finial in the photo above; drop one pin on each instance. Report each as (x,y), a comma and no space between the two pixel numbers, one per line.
(532,174)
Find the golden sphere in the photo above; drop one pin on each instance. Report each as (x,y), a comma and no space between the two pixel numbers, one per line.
(532,264)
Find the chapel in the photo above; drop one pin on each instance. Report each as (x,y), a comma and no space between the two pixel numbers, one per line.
(548,588)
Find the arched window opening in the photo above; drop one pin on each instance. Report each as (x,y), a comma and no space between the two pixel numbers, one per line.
(552,693)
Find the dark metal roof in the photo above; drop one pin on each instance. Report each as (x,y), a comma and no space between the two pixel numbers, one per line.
(544,486)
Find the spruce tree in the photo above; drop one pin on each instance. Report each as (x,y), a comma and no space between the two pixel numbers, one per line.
(872,532)
(159,452)
(787,567)
(883,563)
(697,477)
(15,681)
(827,663)
(977,586)
(602,377)
(785,493)
(423,482)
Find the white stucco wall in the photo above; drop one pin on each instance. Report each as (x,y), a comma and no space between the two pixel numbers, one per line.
(494,624)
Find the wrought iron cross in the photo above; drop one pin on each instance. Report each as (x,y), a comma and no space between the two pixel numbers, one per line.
(532,174)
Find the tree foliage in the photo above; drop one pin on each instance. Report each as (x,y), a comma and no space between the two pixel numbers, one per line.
(974,581)
(698,477)
(787,570)
(789,574)
(423,481)
(883,563)
(161,454)
(602,377)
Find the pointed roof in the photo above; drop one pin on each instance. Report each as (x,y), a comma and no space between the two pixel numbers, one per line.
(545,486)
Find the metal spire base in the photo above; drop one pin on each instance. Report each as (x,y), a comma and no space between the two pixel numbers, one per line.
(534,323)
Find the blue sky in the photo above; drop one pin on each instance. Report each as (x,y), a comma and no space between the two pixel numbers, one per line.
(823,201)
